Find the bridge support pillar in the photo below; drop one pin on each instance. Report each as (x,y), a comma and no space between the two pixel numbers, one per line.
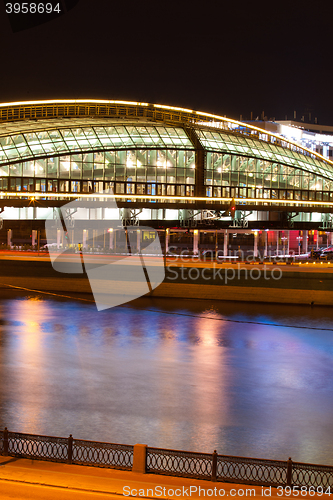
(255,249)
(111,239)
(266,243)
(59,238)
(225,243)
(305,242)
(33,237)
(138,240)
(196,242)
(9,237)
(166,240)
(84,238)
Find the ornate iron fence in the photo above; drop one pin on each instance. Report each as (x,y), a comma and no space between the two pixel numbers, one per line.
(1,443)
(252,471)
(119,456)
(69,450)
(40,447)
(311,474)
(170,462)
(238,469)
(179,463)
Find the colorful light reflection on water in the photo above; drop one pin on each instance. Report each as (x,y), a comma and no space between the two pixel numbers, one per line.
(177,374)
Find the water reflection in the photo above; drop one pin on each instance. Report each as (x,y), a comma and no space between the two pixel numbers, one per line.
(179,374)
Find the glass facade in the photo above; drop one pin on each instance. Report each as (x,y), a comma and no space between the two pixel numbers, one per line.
(143,158)
(229,175)
(138,171)
(246,146)
(19,147)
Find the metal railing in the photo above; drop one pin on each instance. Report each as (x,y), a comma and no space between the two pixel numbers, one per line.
(238,469)
(213,467)
(179,463)
(102,454)
(253,471)
(68,450)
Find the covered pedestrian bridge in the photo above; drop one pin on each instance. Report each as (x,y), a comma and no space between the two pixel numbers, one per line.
(171,166)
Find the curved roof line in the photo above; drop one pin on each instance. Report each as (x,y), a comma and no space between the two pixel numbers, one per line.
(22,110)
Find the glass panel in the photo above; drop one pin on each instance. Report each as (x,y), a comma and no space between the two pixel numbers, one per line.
(120,172)
(180,175)
(98,171)
(151,174)
(152,157)
(64,186)
(52,166)
(28,168)
(75,187)
(120,188)
(15,170)
(171,175)
(76,170)
(64,166)
(55,135)
(4,170)
(109,173)
(190,175)
(12,153)
(141,174)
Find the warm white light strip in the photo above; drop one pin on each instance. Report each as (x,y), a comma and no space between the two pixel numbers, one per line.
(70,101)
(160,197)
(171,108)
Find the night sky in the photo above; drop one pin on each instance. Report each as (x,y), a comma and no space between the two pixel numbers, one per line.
(228,58)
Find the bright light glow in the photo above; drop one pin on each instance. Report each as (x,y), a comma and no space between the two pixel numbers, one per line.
(71,101)
(66,164)
(262,134)
(163,198)
(172,108)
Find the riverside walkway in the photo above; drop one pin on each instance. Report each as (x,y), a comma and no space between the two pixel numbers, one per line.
(308,283)
(34,479)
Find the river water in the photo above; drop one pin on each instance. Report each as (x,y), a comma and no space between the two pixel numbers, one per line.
(244,379)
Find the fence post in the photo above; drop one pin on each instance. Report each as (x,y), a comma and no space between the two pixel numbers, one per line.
(289,471)
(5,442)
(214,466)
(70,449)
(140,458)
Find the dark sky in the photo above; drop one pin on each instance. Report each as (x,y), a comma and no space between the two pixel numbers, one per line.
(229,58)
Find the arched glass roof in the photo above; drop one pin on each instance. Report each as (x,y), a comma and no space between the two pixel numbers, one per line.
(41,143)
(36,129)
(245,146)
